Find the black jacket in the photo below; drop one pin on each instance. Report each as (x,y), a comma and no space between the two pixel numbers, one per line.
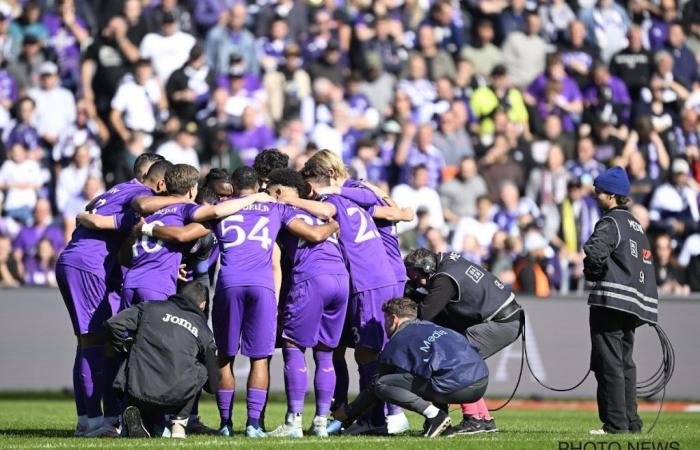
(172,354)
(619,263)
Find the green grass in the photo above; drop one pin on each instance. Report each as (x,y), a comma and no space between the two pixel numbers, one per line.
(48,423)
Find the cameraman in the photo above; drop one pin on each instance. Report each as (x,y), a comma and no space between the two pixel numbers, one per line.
(169,359)
(464,297)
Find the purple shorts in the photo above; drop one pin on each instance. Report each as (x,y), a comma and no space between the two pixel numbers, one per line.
(366,319)
(84,294)
(245,317)
(399,289)
(134,296)
(314,311)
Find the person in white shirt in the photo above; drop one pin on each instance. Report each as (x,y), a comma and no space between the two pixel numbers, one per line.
(473,235)
(181,150)
(55,105)
(20,177)
(137,101)
(72,179)
(168,49)
(674,205)
(418,195)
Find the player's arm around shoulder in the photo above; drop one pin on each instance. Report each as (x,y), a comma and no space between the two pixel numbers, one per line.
(229,207)
(96,221)
(148,204)
(322,210)
(393,213)
(312,233)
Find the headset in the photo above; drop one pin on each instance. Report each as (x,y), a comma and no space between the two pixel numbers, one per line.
(425,263)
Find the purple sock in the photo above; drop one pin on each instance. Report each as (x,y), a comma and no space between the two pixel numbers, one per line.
(295,378)
(342,381)
(324,381)
(256,401)
(112,404)
(78,391)
(392,410)
(224,401)
(91,370)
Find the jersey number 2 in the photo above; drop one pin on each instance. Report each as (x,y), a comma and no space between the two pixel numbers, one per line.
(363,234)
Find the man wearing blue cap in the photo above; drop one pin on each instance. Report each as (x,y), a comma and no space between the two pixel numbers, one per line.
(619,264)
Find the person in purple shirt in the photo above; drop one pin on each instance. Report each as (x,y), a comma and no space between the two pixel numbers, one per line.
(67,33)
(251,137)
(23,132)
(314,306)
(608,97)
(25,244)
(371,284)
(82,272)
(568,100)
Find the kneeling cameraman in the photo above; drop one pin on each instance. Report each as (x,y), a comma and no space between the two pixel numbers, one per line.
(422,365)
(169,359)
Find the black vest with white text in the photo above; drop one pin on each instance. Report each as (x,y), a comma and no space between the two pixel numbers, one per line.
(629,283)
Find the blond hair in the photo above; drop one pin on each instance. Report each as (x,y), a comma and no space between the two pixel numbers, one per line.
(327,161)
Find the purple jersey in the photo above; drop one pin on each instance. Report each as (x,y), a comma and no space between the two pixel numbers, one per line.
(95,251)
(362,246)
(246,240)
(364,197)
(155,263)
(302,260)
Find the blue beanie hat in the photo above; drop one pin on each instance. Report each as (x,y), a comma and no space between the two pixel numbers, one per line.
(613,181)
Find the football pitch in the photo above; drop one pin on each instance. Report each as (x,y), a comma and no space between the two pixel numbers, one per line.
(48,423)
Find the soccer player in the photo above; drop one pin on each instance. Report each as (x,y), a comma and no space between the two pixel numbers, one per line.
(268,160)
(313,310)
(82,271)
(245,308)
(385,213)
(371,283)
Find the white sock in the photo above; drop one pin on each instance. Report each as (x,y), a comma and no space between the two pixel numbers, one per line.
(83,421)
(95,422)
(431,411)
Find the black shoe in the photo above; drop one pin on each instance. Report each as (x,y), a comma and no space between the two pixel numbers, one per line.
(489,425)
(471,426)
(437,425)
(134,423)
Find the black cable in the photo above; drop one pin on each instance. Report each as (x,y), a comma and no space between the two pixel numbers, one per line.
(588,372)
(522,364)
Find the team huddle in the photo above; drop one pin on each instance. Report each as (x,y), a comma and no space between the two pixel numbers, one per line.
(290,271)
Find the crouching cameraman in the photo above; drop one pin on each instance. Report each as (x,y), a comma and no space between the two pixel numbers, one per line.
(423,368)
(170,355)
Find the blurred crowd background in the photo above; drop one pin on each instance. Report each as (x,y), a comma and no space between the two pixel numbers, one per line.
(490,117)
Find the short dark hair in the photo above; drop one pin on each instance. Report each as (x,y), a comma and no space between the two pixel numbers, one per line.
(244,178)
(194,291)
(215,175)
(269,160)
(158,170)
(401,307)
(143,163)
(290,178)
(622,200)
(180,178)
(206,194)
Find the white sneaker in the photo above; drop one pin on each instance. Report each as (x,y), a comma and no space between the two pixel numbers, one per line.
(177,428)
(319,426)
(599,432)
(397,424)
(291,427)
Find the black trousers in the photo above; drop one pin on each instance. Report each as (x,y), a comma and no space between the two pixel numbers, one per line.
(153,415)
(612,344)
(414,393)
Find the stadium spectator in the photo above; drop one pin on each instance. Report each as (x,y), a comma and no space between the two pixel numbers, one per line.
(606,24)
(20,178)
(25,246)
(674,206)
(230,38)
(634,64)
(181,149)
(524,52)
(55,105)
(9,273)
(530,271)
(514,213)
(438,61)
(670,277)
(484,55)
(287,86)
(459,195)
(72,179)
(190,87)
(473,236)
(168,49)
(418,194)
(25,68)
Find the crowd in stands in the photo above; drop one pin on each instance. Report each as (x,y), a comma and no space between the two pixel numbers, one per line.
(491,118)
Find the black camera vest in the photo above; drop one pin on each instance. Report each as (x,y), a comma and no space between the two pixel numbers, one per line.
(480,295)
(629,283)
